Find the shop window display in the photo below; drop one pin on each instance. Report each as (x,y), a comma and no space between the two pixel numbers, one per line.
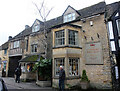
(73,66)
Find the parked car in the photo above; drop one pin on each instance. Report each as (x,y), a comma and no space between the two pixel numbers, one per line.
(2,85)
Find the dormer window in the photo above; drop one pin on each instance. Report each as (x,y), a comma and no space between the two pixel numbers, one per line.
(36,28)
(69,17)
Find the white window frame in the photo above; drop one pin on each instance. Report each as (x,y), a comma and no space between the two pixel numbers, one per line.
(110,29)
(118,26)
(113,48)
(16,44)
(36,28)
(74,38)
(69,17)
(60,38)
(73,72)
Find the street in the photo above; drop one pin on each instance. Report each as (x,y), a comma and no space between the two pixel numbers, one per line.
(23,86)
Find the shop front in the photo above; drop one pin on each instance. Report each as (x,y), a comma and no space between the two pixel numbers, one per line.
(27,64)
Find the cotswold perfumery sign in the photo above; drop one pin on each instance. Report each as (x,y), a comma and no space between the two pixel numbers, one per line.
(93,53)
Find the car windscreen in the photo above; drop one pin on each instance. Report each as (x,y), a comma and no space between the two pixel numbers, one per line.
(1,86)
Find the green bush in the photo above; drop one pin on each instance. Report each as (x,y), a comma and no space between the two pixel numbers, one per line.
(44,68)
(84,76)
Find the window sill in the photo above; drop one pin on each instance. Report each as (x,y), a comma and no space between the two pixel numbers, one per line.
(70,46)
(68,78)
(14,48)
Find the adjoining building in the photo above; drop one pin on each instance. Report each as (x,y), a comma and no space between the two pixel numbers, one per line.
(16,50)
(112,18)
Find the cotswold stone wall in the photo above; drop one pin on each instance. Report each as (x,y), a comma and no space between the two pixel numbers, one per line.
(99,74)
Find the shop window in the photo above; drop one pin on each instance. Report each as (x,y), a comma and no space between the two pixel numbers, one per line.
(59,38)
(73,37)
(30,67)
(34,48)
(58,63)
(73,66)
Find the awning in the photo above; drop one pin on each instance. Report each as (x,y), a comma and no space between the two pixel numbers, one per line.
(30,58)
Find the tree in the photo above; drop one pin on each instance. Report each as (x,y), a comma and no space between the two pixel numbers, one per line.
(44,69)
(44,14)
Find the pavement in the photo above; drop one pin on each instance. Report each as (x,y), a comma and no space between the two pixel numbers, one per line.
(23,86)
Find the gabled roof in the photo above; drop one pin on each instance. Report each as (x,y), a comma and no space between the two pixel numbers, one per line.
(92,10)
(41,23)
(24,33)
(86,12)
(5,46)
(111,9)
(71,8)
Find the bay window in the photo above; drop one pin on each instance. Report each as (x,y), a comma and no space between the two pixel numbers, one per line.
(58,62)
(73,66)
(59,38)
(73,37)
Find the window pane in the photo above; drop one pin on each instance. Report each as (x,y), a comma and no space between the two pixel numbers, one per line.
(34,48)
(118,26)
(73,37)
(65,18)
(113,46)
(73,16)
(69,17)
(59,38)
(110,29)
(73,66)
(59,62)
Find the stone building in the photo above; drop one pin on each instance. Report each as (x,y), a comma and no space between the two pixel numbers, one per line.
(78,40)
(81,42)
(4,57)
(16,50)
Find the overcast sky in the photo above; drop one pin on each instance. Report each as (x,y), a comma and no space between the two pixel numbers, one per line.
(15,14)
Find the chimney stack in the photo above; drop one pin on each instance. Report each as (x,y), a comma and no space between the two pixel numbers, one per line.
(10,37)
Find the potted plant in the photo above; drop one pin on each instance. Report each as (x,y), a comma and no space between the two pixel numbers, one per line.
(44,72)
(84,83)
